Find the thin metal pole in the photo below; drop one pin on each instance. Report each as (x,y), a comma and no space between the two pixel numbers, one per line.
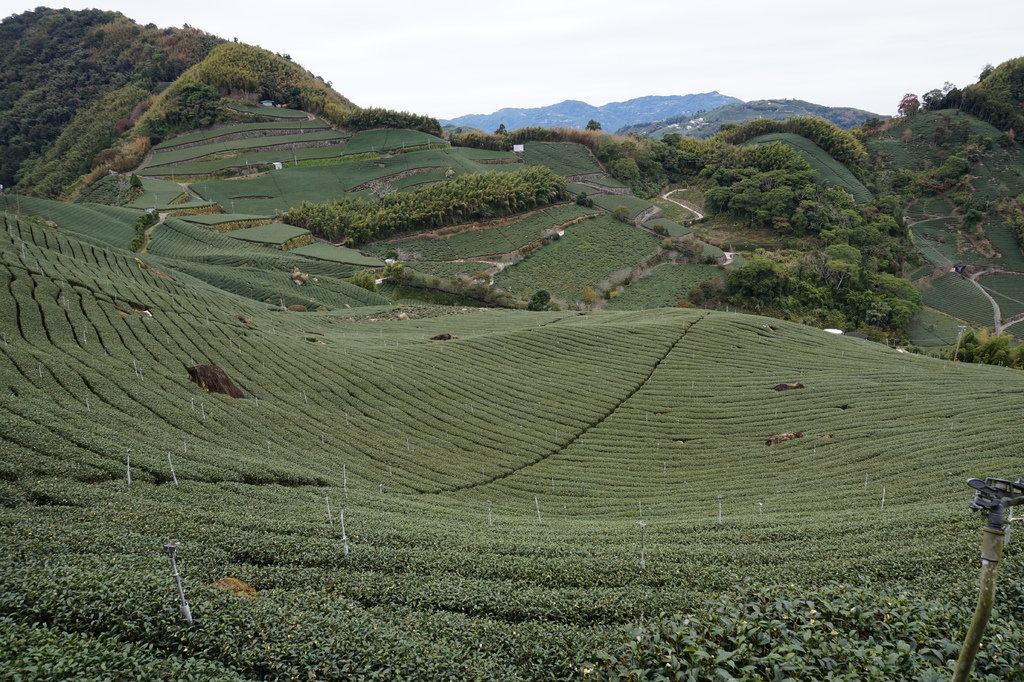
(186,612)
(991,553)
(643,528)
(344,538)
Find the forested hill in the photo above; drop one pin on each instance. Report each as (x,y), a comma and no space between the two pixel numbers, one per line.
(84,93)
(611,116)
(58,63)
(707,123)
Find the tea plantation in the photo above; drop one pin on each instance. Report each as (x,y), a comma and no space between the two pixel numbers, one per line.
(470,509)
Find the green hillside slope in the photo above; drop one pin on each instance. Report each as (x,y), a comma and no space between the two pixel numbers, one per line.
(467,509)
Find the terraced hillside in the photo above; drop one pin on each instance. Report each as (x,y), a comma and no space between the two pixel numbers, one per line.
(468,509)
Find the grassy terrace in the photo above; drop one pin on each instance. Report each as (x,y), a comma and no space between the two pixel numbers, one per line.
(265,128)
(180,155)
(634,205)
(337,254)
(564,158)
(664,287)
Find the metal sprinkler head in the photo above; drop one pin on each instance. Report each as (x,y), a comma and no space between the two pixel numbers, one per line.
(171,547)
(993,495)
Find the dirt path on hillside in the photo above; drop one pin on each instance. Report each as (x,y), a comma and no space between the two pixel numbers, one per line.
(685,204)
(149,232)
(1000,324)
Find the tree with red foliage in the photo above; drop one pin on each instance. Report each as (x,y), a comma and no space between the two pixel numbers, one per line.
(909,104)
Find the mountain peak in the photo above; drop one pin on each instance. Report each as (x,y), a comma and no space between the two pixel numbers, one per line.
(573,113)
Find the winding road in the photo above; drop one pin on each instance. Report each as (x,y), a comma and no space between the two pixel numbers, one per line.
(688,206)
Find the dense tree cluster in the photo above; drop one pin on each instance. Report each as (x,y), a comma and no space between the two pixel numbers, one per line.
(995,99)
(372,117)
(461,199)
(764,185)
(833,287)
(841,145)
(74,152)
(987,348)
(848,273)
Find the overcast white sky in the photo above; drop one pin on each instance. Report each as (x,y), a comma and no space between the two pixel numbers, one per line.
(465,57)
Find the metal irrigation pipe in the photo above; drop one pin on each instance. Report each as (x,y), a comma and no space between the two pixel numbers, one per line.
(991,552)
(171,548)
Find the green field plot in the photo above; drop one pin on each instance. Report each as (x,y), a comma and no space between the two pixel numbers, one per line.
(272,112)
(489,241)
(998,175)
(916,150)
(273,233)
(932,207)
(449,270)
(273,286)
(494,158)
(1001,236)
(942,246)
(563,158)
(672,229)
(1016,330)
(588,254)
(103,225)
(675,212)
(1007,291)
(177,239)
(831,171)
(247,160)
(664,287)
(607,182)
(157,194)
(938,206)
(337,254)
(920,272)
(634,205)
(214,219)
(265,128)
(956,296)
(931,329)
(175,242)
(712,252)
(389,139)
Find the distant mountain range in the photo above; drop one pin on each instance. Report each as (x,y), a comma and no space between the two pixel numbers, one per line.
(611,116)
(708,122)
